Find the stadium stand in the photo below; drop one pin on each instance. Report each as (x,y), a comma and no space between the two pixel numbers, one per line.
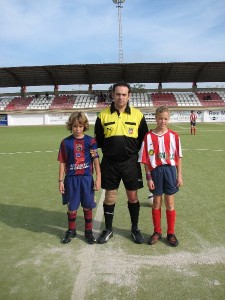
(39,103)
(187,99)
(63,102)
(4,101)
(140,100)
(222,95)
(18,103)
(85,101)
(167,99)
(89,101)
(92,74)
(210,99)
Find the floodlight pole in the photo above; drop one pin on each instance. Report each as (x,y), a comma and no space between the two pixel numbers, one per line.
(119,6)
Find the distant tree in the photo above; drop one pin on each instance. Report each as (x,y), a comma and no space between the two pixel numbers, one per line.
(138,88)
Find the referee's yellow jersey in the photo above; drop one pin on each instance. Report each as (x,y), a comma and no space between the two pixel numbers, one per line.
(120,134)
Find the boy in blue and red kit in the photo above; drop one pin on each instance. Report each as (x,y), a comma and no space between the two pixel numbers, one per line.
(161,154)
(77,155)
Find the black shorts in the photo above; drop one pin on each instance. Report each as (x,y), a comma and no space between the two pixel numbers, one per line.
(129,171)
(193,123)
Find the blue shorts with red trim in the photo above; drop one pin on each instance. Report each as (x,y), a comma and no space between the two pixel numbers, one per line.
(165,180)
(79,190)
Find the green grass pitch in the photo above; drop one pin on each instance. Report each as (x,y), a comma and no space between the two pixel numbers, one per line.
(35,265)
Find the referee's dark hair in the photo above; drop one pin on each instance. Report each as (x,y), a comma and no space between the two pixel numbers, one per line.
(121,83)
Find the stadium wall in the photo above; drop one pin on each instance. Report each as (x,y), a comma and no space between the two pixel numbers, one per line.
(60,118)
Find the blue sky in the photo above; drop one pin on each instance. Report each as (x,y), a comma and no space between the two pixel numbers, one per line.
(60,32)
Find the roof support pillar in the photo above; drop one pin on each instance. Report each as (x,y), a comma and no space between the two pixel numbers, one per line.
(160,87)
(90,88)
(194,87)
(56,90)
(23,91)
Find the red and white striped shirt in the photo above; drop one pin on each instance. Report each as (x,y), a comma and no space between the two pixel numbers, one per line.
(193,117)
(157,150)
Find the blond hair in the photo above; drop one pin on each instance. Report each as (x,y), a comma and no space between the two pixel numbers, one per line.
(162,109)
(78,117)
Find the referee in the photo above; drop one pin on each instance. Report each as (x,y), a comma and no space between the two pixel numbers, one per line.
(119,132)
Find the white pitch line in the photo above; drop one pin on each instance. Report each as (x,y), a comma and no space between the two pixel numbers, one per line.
(86,258)
(99,213)
(50,151)
(120,267)
(213,150)
(27,152)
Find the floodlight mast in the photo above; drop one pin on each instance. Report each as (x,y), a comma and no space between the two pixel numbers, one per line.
(119,6)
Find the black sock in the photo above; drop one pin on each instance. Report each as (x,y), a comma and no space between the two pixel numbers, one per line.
(134,209)
(108,213)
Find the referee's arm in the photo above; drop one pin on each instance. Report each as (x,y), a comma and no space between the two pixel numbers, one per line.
(142,130)
(99,132)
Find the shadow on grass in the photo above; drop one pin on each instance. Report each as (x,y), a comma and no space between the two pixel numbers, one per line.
(145,204)
(38,219)
(125,233)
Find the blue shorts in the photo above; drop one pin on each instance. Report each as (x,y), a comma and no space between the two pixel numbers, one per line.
(79,190)
(165,180)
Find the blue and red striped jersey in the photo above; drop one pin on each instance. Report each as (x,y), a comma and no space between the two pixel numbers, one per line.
(75,153)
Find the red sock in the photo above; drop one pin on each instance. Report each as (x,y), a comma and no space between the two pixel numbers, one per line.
(191,130)
(156,218)
(72,220)
(88,219)
(171,218)
(194,131)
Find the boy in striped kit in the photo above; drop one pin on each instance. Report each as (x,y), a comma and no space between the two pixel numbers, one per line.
(193,118)
(77,158)
(161,154)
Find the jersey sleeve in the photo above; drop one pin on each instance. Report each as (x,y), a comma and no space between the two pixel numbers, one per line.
(178,152)
(62,156)
(94,146)
(179,148)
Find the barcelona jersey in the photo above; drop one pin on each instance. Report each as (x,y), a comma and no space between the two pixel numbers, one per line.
(75,153)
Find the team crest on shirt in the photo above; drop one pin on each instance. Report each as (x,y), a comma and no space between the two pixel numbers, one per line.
(79,147)
(79,158)
(151,152)
(130,130)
